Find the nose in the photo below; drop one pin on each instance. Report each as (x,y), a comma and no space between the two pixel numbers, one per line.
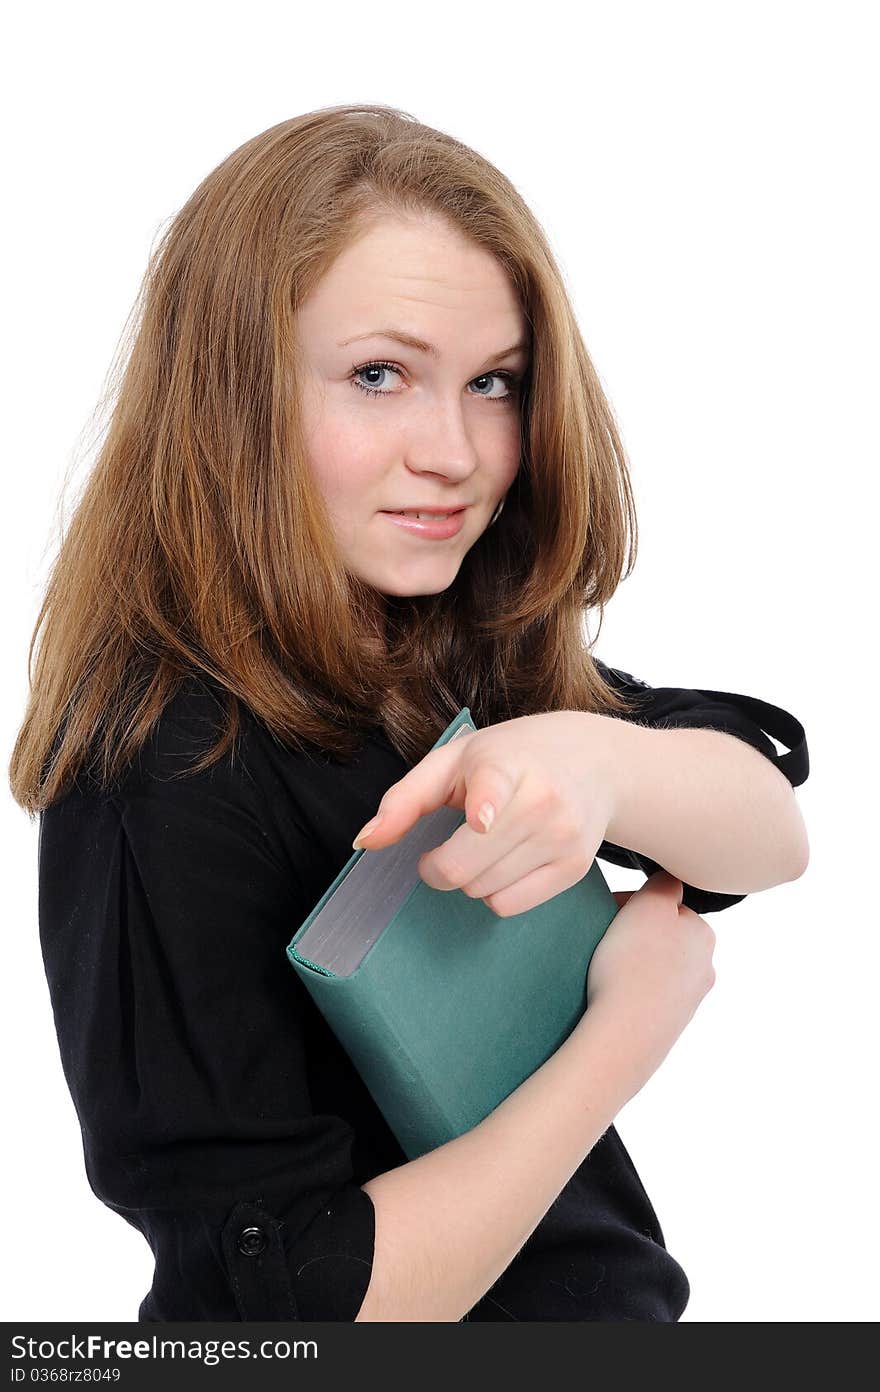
(442,444)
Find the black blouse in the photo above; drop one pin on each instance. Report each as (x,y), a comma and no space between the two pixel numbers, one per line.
(219,1114)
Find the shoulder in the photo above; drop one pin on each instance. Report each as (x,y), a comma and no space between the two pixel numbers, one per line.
(620,680)
(163,771)
(190,726)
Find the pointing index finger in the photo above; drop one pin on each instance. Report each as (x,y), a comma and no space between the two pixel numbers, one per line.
(430,784)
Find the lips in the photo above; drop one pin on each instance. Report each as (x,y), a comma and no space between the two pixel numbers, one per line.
(441,528)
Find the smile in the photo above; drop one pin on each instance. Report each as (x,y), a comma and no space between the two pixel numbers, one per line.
(429,526)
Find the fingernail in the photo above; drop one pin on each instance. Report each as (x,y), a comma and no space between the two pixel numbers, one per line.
(366,831)
(486,814)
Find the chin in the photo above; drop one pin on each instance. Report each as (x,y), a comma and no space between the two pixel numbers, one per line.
(411,592)
(409,589)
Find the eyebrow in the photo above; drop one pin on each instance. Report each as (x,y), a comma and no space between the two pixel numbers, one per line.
(410,341)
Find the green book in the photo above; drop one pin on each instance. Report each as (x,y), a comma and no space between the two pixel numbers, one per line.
(443,1007)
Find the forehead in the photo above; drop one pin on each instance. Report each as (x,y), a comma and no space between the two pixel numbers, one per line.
(421,275)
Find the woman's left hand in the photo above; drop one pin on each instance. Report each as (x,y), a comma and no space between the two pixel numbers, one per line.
(553,788)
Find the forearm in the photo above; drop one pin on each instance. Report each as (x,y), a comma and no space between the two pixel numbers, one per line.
(705,805)
(450,1222)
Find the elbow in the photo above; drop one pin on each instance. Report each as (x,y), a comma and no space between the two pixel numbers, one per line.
(793,854)
(800,856)
(802,862)
(793,843)
(802,846)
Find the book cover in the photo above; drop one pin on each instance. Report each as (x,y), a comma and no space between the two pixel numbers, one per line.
(443,1007)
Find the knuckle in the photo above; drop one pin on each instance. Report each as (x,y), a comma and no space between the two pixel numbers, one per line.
(451,871)
(544,798)
(579,864)
(568,828)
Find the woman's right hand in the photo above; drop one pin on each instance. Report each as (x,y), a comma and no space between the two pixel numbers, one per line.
(652,967)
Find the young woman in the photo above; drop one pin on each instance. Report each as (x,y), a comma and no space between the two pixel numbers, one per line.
(247,648)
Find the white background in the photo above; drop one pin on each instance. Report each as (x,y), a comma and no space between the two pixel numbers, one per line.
(705,173)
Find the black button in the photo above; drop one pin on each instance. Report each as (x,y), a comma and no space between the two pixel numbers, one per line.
(251,1241)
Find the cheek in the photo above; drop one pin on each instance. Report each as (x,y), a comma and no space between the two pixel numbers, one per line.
(347,467)
(339,452)
(504,461)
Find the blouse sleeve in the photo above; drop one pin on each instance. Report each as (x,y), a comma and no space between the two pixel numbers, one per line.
(750,719)
(165,910)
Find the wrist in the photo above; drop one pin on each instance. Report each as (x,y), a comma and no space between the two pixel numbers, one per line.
(616,1056)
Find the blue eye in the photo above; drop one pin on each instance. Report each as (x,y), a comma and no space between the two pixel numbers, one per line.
(510,377)
(373,367)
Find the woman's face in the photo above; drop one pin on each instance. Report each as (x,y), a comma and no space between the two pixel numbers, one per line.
(442,429)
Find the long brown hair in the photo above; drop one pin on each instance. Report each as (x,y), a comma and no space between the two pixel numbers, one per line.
(201,544)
